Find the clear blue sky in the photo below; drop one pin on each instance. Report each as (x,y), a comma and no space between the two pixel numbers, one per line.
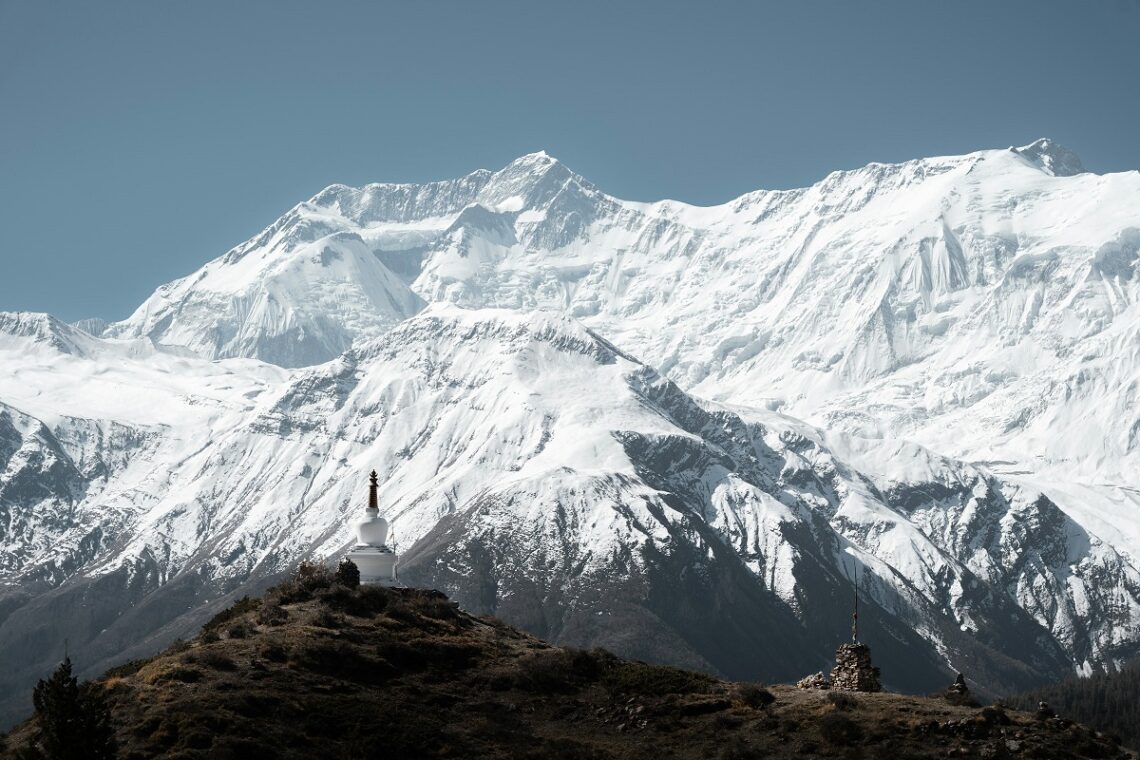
(140,139)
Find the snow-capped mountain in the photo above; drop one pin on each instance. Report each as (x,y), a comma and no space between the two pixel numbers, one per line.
(539,473)
(983,305)
(959,334)
(300,293)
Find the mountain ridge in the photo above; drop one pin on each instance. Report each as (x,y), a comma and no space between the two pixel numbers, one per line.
(567,394)
(539,472)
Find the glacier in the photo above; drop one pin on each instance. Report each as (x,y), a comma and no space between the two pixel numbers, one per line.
(614,422)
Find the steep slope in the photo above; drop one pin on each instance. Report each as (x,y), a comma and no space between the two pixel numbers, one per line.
(964,328)
(315,669)
(984,306)
(39,483)
(537,472)
(299,294)
(89,431)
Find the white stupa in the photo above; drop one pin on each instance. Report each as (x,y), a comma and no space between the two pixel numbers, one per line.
(377,563)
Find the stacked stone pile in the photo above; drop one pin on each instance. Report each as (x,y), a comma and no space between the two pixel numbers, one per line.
(853,670)
(959,693)
(814,681)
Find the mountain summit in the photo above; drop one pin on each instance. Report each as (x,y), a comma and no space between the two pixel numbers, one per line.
(659,428)
(1050,157)
(991,279)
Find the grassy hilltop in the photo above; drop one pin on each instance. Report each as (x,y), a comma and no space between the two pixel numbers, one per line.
(318,669)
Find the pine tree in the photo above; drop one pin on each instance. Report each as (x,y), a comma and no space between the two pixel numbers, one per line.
(347,573)
(1109,702)
(74,721)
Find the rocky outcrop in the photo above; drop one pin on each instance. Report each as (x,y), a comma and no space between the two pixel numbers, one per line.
(814,681)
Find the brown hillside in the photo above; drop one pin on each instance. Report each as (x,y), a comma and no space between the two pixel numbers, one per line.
(318,670)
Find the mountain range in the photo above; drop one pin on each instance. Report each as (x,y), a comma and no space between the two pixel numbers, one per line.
(672,431)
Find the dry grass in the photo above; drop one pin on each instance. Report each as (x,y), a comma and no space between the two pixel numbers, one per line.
(320,670)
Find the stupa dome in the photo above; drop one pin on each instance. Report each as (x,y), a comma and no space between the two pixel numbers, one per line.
(372,530)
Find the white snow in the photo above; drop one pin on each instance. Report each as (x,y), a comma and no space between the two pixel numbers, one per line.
(966,325)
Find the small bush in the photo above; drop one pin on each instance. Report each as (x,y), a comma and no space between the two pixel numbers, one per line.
(181,673)
(995,714)
(239,630)
(309,578)
(641,678)
(841,700)
(549,670)
(314,574)
(363,602)
(326,618)
(420,654)
(839,730)
(348,574)
(240,607)
(341,660)
(178,647)
(412,605)
(739,749)
(272,614)
(753,695)
(256,705)
(212,659)
(402,656)
(127,668)
(960,699)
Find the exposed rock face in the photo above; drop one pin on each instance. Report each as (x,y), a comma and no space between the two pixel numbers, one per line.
(853,670)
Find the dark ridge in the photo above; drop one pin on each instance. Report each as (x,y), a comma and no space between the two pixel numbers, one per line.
(318,669)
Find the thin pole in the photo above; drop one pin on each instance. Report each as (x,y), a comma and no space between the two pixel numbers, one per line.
(855,614)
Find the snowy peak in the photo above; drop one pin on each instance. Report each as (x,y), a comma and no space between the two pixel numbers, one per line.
(33,330)
(1051,158)
(42,329)
(535,471)
(532,181)
(92,326)
(529,182)
(885,247)
(964,327)
(404,203)
(303,298)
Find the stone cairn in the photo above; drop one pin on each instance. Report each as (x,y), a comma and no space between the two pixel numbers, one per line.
(959,693)
(853,670)
(814,681)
